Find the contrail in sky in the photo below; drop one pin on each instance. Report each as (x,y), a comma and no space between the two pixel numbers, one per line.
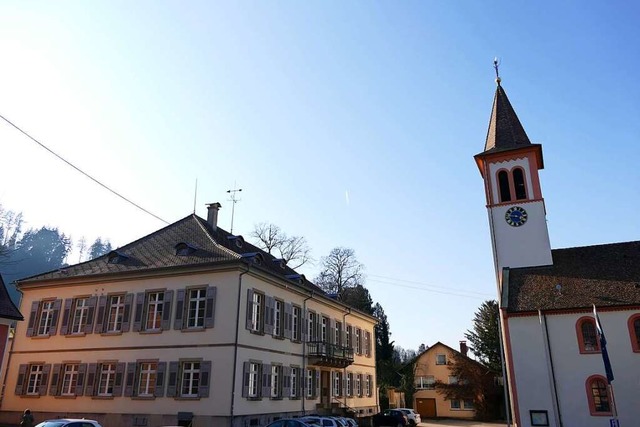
(346,196)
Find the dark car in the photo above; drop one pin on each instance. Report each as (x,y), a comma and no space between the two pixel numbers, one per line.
(390,417)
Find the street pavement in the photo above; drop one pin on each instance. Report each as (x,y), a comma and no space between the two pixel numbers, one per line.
(458,423)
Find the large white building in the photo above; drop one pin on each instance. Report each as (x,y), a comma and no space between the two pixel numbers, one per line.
(553,357)
(191,326)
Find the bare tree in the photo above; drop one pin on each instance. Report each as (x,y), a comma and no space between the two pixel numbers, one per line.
(82,248)
(340,270)
(293,249)
(10,230)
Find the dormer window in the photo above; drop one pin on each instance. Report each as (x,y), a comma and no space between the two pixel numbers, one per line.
(298,278)
(116,257)
(184,249)
(280,263)
(238,241)
(254,257)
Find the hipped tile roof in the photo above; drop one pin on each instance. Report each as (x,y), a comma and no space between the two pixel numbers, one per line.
(8,310)
(605,275)
(157,251)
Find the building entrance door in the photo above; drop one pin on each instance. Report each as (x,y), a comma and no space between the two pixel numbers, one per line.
(426,408)
(325,388)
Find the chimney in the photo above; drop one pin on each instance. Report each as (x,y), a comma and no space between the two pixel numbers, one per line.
(463,348)
(212,214)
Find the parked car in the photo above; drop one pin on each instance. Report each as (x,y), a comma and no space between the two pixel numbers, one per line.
(69,422)
(390,417)
(322,421)
(351,422)
(291,422)
(412,416)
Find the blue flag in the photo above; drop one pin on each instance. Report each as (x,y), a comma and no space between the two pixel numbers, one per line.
(603,347)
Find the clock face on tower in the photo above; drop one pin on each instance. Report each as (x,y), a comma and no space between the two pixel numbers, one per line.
(515,216)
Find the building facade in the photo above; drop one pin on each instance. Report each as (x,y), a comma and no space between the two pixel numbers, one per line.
(187,326)
(434,365)
(553,359)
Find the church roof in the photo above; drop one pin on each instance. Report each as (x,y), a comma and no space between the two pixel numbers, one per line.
(505,130)
(605,275)
(189,242)
(8,309)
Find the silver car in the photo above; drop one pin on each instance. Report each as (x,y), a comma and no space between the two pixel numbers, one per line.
(69,422)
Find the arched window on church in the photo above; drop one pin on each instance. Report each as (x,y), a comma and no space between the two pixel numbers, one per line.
(634,332)
(503,182)
(587,337)
(518,183)
(598,395)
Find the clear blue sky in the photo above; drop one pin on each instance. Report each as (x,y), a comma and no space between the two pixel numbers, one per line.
(304,103)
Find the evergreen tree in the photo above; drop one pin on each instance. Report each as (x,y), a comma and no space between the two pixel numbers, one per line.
(485,338)
(358,297)
(99,248)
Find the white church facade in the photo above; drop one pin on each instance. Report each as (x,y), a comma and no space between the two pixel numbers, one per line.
(553,356)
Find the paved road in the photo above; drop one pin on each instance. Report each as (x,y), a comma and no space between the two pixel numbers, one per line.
(458,423)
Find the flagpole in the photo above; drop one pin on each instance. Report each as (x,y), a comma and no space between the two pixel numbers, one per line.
(614,409)
(607,364)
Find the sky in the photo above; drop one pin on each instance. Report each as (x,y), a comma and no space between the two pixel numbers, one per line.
(349,123)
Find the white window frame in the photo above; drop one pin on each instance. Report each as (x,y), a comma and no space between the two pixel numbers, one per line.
(155,309)
(196,306)
(452,404)
(349,389)
(358,385)
(453,379)
(115,314)
(311,323)
(257,311)
(278,310)
(69,379)
(80,315)
(358,341)
(46,317)
(295,323)
(467,407)
(147,377)
(106,379)
(190,379)
(310,374)
(338,333)
(35,379)
(324,329)
(441,359)
(254,380)
(276,381)
(337,382)
(367,385)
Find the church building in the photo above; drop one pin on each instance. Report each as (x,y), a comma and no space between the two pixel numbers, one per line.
(548,298)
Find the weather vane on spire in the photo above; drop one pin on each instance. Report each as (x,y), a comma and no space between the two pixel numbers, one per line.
(496,64)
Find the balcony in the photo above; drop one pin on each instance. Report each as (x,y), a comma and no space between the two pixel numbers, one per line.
(332,355)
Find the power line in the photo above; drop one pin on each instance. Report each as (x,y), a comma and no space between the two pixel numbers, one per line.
(430,290)
(446,290)
(82,172)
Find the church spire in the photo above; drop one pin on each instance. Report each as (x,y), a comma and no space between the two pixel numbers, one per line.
(505,130)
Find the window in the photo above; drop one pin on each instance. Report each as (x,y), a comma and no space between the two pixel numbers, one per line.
(312,330)
(147,379)
(107,378)
(358,341)
(190,379)
(276,381)
(69,379)
(634,332)
(324,336)
(367,385)
(115,313)
(349,384)
(518,184)
(359,385)
(295,323)
(294,382)
(455,404)
(155,305)
(467,404)
(35,379)
(503,182)
(587,337)
(197,299)
(337,381)
(310,387)
(44,318)
(453,379)
(256,312)
(80,314)
(252,380)
(278,319)
(441,359)
(338,334)
(426,382)
(598,395)
(349,337)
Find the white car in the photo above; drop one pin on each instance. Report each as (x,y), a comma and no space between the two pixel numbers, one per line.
(412,416)
(69,422)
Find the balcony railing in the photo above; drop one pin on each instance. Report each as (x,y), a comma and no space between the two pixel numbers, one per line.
(325,354)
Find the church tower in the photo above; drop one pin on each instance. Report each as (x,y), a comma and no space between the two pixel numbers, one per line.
(509,166)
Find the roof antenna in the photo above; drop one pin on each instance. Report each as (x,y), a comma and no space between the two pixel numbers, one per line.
(234,199)
(195,196)
(496,64)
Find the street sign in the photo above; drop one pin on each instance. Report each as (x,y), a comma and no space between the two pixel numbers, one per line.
(614,423)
